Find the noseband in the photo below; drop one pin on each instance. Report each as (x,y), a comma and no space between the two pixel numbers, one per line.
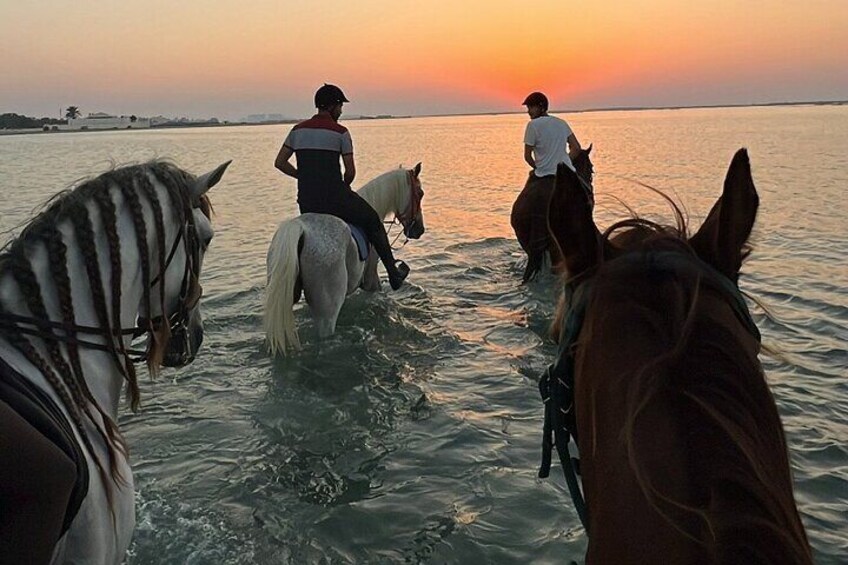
(556,386)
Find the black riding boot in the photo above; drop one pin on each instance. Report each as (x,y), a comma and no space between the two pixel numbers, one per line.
(357,211)
(397,270)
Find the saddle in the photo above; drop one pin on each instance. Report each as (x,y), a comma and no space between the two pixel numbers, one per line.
(362,243)
(42,413)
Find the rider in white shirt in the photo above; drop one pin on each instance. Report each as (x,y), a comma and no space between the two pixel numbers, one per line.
(548,141)
(546,138)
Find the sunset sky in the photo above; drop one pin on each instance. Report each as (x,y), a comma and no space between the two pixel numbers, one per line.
(203,58)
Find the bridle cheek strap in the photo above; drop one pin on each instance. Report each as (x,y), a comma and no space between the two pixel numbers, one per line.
(414,208)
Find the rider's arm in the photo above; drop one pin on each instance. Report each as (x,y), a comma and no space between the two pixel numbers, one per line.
(282,162)
(528,156)
(573,147)
(350,168)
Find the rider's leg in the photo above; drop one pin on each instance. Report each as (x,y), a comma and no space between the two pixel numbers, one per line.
(358,211)
(36,481)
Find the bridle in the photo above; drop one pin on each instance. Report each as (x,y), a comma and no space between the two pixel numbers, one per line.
(411,213)
(190,289)
(189,296)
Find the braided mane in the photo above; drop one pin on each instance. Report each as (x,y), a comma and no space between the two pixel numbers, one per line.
(71,207)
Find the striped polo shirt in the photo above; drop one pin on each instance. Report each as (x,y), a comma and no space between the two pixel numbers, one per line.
(318,143)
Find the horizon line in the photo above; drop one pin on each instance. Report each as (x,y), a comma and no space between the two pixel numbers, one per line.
(223,122)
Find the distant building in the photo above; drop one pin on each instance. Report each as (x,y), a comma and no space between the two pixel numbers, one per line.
(99,120)
(159,120)
(261,118)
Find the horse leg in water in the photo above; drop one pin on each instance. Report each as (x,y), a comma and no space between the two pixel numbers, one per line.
(36,481)
(534,264)
(325,286)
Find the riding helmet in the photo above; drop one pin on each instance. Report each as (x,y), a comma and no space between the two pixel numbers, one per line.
(536,99)
(329,95)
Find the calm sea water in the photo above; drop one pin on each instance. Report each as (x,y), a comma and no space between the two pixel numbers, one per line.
(413,434)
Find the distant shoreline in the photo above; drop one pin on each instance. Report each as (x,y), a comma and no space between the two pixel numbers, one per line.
(648,108)
(447,115)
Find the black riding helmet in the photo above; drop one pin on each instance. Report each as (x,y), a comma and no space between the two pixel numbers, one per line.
(329,95)
(536,99)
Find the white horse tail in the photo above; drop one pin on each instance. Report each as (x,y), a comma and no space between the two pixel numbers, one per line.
(283,270)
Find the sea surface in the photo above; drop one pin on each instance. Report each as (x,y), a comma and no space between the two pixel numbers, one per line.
(413,435)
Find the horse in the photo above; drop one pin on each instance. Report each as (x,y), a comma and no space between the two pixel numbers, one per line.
(529,216)
(116,258)
(316,255)
(683,456)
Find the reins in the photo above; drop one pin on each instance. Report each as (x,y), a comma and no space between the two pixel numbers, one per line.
(392,223)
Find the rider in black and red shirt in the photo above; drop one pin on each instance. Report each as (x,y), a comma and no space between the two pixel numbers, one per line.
(318,143)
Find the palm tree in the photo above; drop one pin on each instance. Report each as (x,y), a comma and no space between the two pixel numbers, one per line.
(72,112)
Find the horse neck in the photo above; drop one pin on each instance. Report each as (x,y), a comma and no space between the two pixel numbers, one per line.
(384,192)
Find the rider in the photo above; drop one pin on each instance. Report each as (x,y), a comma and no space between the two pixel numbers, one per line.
(546,137)
(318,143)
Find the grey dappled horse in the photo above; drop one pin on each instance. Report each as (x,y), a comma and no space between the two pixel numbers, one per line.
(317,253)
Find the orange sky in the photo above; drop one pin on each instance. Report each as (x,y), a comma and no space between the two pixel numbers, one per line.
(222,58)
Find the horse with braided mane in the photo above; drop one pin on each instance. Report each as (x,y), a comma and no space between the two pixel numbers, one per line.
(116,258)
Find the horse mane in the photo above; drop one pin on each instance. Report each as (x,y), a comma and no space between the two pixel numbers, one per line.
(66,377)
(384,193)
(719,389)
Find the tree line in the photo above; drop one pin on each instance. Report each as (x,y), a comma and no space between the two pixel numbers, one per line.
(18,121)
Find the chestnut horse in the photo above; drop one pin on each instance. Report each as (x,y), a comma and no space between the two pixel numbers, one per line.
(530,212)
(682,452)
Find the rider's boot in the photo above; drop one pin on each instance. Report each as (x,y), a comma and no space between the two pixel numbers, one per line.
(397,271)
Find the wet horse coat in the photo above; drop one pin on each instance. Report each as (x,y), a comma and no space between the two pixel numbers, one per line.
(682,452)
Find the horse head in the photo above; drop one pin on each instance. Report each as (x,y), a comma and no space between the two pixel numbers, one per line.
(412,215)
(721,242)
(178,330)
(583,165)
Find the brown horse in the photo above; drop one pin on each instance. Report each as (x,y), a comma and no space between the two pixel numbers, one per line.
(683,454)
(530,212)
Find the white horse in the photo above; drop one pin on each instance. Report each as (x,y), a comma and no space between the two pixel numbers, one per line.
(316,253)
(115,258)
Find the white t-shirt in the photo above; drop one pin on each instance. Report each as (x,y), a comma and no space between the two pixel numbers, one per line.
(548,135)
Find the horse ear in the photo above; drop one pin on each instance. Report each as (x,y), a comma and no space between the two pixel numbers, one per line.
(589,149)
(210,179)
(570,223)
(417,169)
(722,240)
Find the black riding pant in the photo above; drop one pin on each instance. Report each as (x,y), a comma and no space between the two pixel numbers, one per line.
(352,208)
